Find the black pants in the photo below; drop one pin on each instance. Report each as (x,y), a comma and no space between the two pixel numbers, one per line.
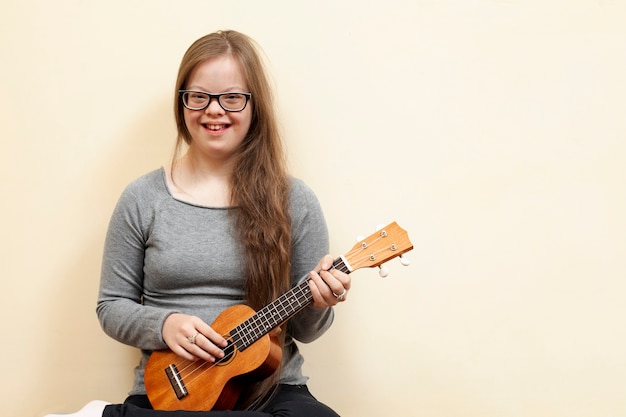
(289,401)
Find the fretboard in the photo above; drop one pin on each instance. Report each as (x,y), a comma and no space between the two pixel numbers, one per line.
(279,311)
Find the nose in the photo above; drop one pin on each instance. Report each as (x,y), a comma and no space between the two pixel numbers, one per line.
(214,107)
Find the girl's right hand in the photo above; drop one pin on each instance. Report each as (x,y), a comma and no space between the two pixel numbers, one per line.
(191,338)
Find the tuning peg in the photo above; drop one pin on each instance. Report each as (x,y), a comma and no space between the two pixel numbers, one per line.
(383,272)
(360,238)
(379,226)
(404,261)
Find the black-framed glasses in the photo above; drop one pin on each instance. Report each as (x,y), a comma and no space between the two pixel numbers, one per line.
(200,100)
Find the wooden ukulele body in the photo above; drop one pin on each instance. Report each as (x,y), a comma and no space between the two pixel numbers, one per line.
(214,386)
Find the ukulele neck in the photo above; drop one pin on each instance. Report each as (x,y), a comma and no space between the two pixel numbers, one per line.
(279,311)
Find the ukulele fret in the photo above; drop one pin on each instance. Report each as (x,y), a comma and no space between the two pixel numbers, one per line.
(272,315)
(340,264)
(277,312)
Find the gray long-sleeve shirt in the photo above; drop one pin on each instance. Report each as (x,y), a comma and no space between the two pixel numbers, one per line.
(163,256)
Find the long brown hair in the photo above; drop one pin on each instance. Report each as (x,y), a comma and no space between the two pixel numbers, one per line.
(259,184)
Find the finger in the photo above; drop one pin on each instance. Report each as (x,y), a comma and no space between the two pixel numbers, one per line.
(210,333)
(182,352)
(188,343)
(338,282)
(209,347)
(324,264)
(342,277)
(321,292)
(206,343)
(202,348)
(335,286)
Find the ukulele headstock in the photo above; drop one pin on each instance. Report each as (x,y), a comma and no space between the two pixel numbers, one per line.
(386,243)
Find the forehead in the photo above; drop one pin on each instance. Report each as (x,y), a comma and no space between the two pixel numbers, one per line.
(217,74)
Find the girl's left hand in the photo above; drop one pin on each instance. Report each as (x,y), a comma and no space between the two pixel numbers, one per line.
(328,287)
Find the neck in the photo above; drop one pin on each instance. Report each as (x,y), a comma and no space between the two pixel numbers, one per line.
(201,181)
(201,167)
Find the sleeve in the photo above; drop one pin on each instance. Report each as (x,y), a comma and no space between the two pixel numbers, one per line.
(310,243)
(119,308)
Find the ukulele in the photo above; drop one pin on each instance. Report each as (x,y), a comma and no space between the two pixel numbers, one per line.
(173,383)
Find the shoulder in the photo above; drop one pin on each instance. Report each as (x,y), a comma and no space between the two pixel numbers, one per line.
(148,187)
(152,181)
(138,204)
(143,195)
(306,210)
(301,193)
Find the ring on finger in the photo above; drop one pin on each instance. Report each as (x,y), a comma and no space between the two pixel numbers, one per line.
(192,339)
(341,296)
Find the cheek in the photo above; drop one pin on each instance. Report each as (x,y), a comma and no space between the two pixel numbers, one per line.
(189,117)
(246,120)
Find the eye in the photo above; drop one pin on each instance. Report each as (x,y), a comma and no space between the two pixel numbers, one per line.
(233,96)
(197,97)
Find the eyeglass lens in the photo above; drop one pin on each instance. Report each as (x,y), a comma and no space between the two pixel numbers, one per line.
(229,101)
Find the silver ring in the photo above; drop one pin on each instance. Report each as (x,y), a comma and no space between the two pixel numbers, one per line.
(192,339)
(341,296)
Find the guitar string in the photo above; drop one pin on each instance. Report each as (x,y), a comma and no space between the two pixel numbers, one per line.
(368,255)
(302,296)
(355,250)
(238,333)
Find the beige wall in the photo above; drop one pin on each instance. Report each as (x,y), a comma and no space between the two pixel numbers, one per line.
(493,131)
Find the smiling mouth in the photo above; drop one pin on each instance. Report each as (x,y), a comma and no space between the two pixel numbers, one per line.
(215,128)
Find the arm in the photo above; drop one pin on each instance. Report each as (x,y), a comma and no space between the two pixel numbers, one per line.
(120,310)
(310,244)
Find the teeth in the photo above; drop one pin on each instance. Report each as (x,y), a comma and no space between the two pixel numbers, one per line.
(215,127)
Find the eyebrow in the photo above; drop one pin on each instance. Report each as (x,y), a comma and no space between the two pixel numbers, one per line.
(229,89)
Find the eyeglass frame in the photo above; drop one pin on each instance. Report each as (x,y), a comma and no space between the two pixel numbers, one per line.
(248,96)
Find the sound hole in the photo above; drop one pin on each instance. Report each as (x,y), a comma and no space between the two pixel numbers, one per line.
(230,351)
